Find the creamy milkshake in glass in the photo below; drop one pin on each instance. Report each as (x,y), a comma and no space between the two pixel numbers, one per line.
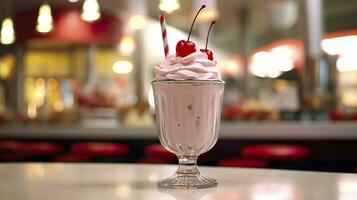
(188,94)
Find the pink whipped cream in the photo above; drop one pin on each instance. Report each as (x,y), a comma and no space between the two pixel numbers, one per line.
(195,66)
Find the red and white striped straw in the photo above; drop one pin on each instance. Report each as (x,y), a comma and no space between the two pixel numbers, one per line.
(164,34)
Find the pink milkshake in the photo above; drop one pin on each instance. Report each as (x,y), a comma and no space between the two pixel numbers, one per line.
(188,94)
(189,115)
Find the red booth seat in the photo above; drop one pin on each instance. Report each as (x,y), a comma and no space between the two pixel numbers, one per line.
(20,151)
(157,154)
(157,150)
(10,150)
(39,149)
(99,149)
(276,152)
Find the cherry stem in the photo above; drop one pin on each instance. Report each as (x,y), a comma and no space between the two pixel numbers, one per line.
(189,34)
(209,30)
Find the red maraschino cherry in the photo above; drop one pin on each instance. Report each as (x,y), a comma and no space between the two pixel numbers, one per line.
(207,51)
(186,47)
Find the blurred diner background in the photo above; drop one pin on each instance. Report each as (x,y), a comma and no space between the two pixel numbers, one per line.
(75,80)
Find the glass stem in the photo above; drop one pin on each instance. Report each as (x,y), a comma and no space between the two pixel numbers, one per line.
(187,165)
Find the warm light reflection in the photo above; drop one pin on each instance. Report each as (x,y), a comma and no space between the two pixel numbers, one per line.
(6,65)
(4,70)
(53,96)
(151,100)
(281,86)
(229,67)
(270,64)
(40,82)
(53,170)
(7,34)
(346,63)
(347,188)
(40,91)
(73,1)
(44,19)
(272,191)
(58,106)
(284,64)
(126,45)
(342,46)
(349,98)
(52,84)
(29,88)
(283,57)
(122,67)
(32,110)
(153,177)
(208,16)
(34,171)
(123,191)
(210,12)
(224,195)
(261,65)
(90,10)
(169,5)
(136,22)
(284,51)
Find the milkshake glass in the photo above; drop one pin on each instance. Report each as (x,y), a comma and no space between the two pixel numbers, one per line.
(188,118)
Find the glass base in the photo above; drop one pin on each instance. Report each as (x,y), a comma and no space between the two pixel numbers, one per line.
(187,181)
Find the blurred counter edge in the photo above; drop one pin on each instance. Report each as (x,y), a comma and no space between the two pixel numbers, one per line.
(228,131)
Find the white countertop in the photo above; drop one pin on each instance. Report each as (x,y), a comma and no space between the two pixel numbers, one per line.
(228,130)
(37,181)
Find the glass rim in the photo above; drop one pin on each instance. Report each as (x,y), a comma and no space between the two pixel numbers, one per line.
(216,81)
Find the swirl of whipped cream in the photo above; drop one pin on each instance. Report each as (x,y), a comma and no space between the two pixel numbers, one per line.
(195,66)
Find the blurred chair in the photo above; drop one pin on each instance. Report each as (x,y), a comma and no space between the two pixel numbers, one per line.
(157,154)
(101,151)
(276,152)
(243,162)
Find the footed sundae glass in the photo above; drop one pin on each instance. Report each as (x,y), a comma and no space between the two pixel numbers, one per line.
(188,118)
